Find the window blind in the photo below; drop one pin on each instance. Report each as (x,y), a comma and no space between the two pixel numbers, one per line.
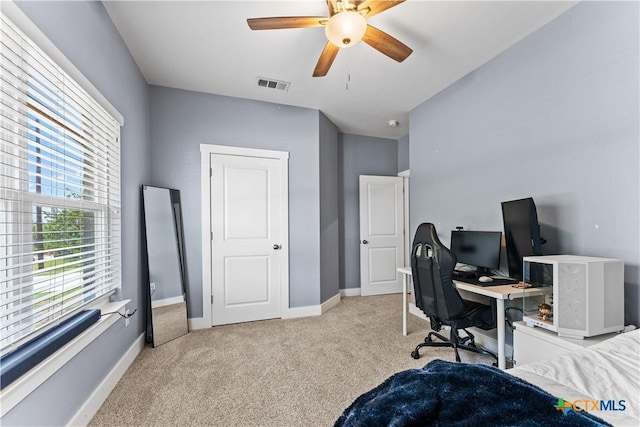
(59,192)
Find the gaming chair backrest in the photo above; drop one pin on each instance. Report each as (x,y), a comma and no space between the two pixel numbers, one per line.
(432,266)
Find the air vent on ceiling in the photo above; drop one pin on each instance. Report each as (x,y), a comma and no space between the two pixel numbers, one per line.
(273,84)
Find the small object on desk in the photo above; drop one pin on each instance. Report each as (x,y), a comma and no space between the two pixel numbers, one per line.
(485,279)
(546,312)
(522,285)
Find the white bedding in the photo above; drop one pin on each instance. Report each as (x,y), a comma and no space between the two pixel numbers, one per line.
(606,371)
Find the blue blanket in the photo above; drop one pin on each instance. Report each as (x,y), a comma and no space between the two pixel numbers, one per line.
(446,394)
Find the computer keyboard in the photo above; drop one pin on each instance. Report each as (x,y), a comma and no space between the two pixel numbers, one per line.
(497,281)
(463,273)
(500,281)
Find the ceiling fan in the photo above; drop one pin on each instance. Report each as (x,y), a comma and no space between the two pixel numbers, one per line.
(345,26)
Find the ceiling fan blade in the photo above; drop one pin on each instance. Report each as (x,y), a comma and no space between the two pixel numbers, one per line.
(277,23)
(376,6)
(384,43)
(326,59)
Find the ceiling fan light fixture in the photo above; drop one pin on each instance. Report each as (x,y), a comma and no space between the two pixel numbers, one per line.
(345,29)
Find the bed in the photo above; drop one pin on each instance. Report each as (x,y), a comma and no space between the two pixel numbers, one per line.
(598,385)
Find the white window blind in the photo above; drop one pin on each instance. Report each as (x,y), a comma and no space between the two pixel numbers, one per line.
(59,192)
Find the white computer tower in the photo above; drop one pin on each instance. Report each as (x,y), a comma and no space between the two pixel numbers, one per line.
(587,298)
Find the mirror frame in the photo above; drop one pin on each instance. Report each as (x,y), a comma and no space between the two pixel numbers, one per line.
(173,234)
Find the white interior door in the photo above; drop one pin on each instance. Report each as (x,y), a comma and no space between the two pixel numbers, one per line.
(248,239)
(381,234)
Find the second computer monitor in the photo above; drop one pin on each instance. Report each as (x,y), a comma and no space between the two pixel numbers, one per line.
(478,248)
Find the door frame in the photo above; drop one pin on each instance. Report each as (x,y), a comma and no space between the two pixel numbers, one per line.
(206,150)
(406,175)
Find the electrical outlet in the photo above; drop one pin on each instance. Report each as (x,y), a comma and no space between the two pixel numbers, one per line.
(126,318)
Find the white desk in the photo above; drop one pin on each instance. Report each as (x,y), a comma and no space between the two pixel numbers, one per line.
(499,293)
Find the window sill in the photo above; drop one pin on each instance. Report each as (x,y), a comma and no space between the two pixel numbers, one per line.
(23,386)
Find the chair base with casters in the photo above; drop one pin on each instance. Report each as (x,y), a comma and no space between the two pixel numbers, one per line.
(455,341)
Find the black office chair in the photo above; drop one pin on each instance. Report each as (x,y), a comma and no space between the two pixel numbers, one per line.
(432,266)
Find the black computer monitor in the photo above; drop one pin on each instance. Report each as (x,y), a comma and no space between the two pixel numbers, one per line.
(521,232)
(478,248)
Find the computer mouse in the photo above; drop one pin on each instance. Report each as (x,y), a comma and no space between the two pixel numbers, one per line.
(485,279)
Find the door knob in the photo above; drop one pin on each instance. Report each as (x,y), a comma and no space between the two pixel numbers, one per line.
(364,242)
(276,246)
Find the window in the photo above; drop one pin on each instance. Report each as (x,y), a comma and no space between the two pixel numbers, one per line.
(59,192)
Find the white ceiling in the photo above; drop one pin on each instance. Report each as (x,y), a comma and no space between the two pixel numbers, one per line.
(207,46)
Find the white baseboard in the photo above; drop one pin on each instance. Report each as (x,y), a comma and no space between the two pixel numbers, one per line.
(100,394)
(307,311)
(198,323)
(330,303)
(489,340)
(382,289)
(416,311)
(289,313)
(350,292)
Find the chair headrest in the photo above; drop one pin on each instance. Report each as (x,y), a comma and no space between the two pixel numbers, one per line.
(426,233)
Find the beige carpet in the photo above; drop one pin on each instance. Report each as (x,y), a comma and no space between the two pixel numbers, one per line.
(297,372)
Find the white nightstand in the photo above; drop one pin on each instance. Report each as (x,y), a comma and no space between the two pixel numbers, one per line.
(532,344)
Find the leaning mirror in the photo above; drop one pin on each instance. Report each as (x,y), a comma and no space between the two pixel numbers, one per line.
(166,295)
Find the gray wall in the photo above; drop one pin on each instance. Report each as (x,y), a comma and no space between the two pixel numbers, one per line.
(182,120)
(80,30)
(329,211)
(359,155)
(554,117)
(403,153)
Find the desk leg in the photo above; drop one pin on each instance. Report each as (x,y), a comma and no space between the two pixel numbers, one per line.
(404,304)
(501,332)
